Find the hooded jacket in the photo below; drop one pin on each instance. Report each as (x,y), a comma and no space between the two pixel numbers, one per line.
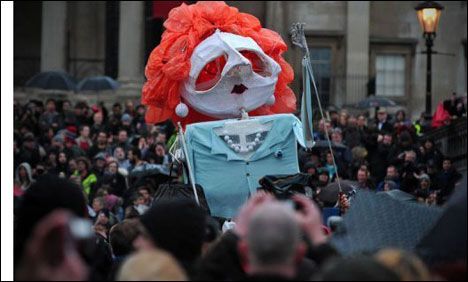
(24,185)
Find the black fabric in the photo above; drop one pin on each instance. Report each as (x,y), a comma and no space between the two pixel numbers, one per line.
(284,186)
(179,191)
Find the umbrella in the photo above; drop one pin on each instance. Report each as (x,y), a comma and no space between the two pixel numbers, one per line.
(329,194)
(397,194)
(53,80)
(373,102)
(446,241)
(97,83)
(376,221)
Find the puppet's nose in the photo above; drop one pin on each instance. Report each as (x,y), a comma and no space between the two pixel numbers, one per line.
(239,70)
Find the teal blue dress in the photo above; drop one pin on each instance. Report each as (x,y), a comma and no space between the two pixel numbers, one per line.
(228,179)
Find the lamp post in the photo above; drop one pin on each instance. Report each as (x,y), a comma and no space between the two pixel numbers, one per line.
(428,15)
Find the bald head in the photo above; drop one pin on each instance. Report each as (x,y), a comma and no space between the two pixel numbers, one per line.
(273,235)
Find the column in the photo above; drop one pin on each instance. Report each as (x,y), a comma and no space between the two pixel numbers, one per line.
(357,51)
(53,42)
(131,47)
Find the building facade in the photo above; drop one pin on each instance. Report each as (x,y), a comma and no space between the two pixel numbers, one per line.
(358,48)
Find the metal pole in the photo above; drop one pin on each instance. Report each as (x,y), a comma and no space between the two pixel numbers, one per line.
(429,42)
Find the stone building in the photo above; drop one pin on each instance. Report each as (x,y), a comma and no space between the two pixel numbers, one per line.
(358,48)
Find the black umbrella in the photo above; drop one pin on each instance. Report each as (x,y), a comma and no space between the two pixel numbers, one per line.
(97,83)
(373,102)
(52,80)
(376,221)
(329,194)
(397,194)
(446,241)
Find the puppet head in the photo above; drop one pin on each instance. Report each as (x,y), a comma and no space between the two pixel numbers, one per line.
(214,61)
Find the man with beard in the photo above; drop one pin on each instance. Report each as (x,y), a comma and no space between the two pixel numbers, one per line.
(100,145)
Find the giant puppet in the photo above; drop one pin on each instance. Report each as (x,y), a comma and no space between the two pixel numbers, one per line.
(222,76)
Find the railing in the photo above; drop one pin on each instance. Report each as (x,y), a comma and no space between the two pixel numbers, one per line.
(451,140)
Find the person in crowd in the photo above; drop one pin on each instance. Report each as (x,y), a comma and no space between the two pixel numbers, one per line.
(430,154)
(98,205)
(87,178)
(405,264)
(99,165)
(61,169)
(47,209)
(139,122)
(446,180)
(151,265)
(71,148)
(145,191)
(84,141)
(123,162)
(401,123)
(126,121)
(382,123)
(115,119)
(23,178)
(29,151)
(351,135)
(177,227)
(380,157)
(121,238)
(424,189)
(113,179)
(122,140)
(100,146)
(363,180)
(356,268)
(98,124)
(359,158)
(272,244)
(80,117)
(226,260)
(320,133)
(392,175)
(343,120)
(50,118)
(157,155)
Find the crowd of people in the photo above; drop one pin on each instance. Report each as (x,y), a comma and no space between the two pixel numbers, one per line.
(75,162)
(380,154)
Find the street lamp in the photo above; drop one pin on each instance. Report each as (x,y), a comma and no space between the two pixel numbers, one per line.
(428,16)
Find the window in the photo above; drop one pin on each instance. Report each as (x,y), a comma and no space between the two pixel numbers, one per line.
(390,73)
(390,68)
(321,65)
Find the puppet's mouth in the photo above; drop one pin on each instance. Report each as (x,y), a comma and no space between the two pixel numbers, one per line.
(239,89)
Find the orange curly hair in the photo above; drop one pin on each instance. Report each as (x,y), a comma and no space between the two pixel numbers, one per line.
(169,63)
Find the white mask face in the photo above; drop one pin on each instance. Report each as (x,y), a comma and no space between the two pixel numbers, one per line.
(229,73)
